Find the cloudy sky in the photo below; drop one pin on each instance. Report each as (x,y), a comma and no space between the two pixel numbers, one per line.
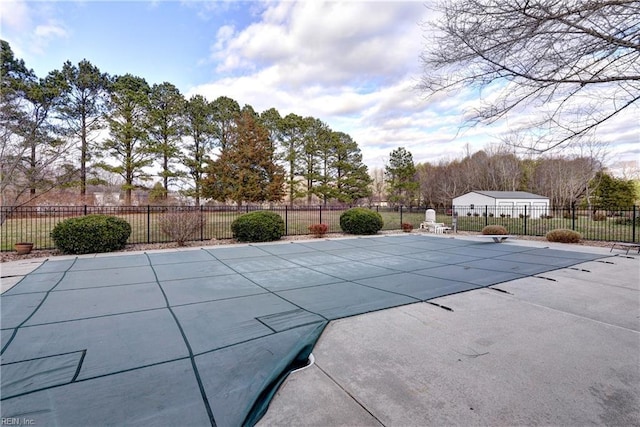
(352,64)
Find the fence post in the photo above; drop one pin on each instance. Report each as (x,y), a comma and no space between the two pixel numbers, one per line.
(85,210)
(525,220)
(201,224)
(573,216)
(320,214)
(286,220)
(486,215)
(400,216)
(633,226)
(148,224)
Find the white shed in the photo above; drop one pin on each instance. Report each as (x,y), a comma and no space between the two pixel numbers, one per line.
(501,203)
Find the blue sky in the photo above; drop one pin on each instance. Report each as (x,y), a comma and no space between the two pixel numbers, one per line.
(352,64)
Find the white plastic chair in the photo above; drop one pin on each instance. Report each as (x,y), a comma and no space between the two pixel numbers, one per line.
(431,225)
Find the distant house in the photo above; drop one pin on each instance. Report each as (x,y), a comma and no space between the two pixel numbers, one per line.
(501,203)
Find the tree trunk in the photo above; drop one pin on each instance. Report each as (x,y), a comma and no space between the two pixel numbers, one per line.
(83,160)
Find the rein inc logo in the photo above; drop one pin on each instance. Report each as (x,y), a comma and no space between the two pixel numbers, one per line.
(15,421)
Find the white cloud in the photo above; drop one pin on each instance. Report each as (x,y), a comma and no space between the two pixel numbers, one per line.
(49,30)
(332,43)
(33,25)
(15,15)
(354,65)
(351,64)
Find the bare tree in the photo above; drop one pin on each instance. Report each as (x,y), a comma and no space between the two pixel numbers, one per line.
(572,64)
(33,156)
(564,180)
(378,186)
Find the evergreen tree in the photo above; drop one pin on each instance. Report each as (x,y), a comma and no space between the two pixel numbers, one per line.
(316,135)
(400,174)
(224,113)
(166,124)
(612,193)
(272,121)
(128,143)
(352,180)
(200,130)
(244,171)
(82,108)
(292,131)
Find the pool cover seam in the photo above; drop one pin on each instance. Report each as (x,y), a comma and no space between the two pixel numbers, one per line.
(15,331)
(354,281)
(269,291)
(213,350)
(41,357)
(257,319)
(91,317)
(203,392)
(76,381)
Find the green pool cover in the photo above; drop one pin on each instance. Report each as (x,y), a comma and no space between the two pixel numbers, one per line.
(204,337)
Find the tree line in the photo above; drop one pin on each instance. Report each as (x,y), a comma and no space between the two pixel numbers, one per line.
(70,127)
(569,180)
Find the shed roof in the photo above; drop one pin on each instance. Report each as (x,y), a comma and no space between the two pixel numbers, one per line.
(510,195)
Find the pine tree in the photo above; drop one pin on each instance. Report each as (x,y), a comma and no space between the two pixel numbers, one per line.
(166,124)
(400,174)
(128,143)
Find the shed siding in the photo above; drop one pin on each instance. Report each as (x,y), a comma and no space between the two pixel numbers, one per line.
(479,203)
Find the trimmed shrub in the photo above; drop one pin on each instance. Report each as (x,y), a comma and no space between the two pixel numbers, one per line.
(318,230)
(259,226)
(563,235)
(91,234)
(494,229)
(407,227)
(181,226)
(361,221)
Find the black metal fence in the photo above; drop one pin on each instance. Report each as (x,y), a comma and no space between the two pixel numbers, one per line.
(619,225)
(34,223)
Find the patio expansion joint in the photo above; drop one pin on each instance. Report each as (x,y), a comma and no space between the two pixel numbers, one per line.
(358,402)
(566,313)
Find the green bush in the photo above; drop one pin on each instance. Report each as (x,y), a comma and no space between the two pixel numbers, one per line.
(361,221)
(260,226)
(91,234)
(494,229)
(563,235)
